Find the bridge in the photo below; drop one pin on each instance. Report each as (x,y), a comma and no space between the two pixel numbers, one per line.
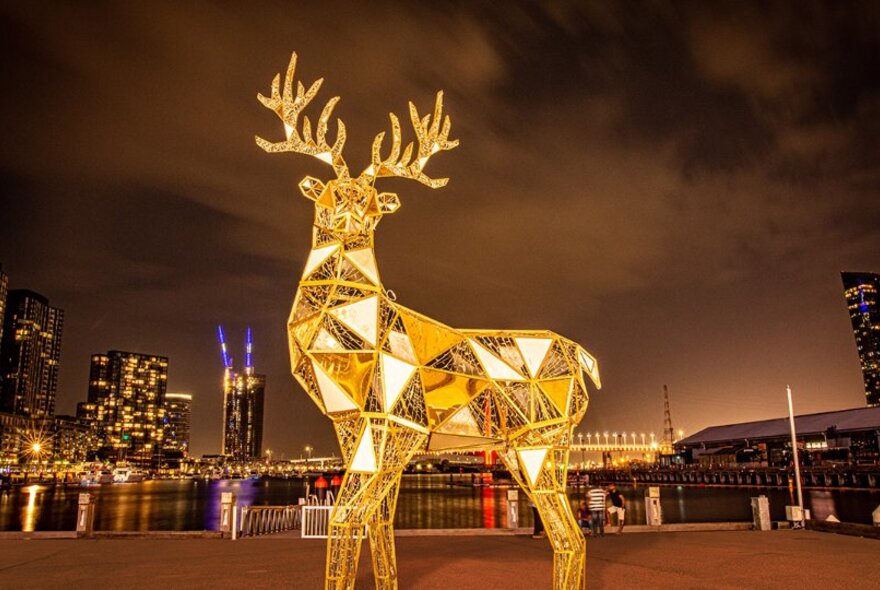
(606,443)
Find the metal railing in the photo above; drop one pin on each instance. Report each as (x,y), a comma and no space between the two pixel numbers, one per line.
(315,521)
(264,520)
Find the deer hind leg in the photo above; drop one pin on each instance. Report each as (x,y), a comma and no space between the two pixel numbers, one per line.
(381,534)
(542,472)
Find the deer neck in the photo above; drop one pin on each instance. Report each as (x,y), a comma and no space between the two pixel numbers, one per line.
(349,262)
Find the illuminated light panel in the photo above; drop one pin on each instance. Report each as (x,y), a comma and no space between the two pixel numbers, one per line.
(534,350)
(365,261)
(401,346)
(335,399)
(361,316)
(325,341)
(462,423)
(364,460)
(317,256)
(495,367)
(395,375)
(532,461)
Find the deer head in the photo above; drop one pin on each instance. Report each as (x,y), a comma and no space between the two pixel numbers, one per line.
(351,206)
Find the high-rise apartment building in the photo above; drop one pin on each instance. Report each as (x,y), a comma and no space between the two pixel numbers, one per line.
(243,395)
(861,290)
(73,441)
(178,414)
(126,405)
(30,350)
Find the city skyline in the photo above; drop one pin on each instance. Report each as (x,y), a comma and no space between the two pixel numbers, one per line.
(711,168)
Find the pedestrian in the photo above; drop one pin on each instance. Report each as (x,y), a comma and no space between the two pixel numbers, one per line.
(617,506)
(538,533)
(597,510)
(584,518)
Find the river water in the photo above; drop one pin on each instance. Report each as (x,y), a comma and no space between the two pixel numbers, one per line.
(426,501)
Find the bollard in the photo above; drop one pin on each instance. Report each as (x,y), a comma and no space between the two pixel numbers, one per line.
(227,507)
(653,511)
(85,515)
(235,524)
(876,516)
(761,513)
(796,516)
(321,488)
(512,509)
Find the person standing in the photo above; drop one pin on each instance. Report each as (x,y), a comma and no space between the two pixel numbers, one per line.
(539,532)
(617,506)
(596,497)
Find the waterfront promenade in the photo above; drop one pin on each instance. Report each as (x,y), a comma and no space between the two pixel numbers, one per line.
(722,559)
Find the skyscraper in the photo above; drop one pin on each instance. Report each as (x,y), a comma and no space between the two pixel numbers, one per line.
(4,288)
(126,405)
(178,413)
(30,351)
(243,395)
(861,290)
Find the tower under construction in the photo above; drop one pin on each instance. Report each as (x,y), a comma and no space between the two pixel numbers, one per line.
(243,394)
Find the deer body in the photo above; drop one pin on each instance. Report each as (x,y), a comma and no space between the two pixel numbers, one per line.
(395,382)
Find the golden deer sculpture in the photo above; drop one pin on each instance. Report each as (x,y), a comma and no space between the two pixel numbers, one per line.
(395,382)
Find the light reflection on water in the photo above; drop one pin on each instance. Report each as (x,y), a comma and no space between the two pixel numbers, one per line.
(29,516)
(425,501)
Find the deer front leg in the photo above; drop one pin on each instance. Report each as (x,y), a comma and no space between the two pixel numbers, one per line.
(401,443)
(368,496)
(345,533)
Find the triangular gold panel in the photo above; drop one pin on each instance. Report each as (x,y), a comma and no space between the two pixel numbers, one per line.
(558,391)
(428,337)
(365,260)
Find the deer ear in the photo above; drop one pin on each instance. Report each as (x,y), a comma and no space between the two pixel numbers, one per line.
(388,202)
(311,187)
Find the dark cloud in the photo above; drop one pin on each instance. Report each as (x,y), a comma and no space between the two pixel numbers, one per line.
(676,186)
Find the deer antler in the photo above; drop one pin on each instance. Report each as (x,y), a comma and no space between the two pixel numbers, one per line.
(432,138)
(288,109)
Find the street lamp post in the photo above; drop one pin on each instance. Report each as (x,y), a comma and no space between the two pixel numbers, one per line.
(581,443)
(794,450)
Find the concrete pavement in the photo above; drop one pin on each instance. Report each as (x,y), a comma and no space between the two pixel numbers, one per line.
(680,560)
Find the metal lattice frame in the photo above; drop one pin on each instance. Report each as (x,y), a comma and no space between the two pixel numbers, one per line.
(395,382)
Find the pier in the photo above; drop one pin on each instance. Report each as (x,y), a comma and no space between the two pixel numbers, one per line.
(854,477)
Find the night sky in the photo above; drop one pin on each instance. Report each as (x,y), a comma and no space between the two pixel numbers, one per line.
(675,186)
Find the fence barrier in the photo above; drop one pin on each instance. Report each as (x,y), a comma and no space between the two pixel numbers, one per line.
(315,521)
(264,520)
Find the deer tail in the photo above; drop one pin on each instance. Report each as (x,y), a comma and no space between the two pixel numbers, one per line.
(589,365)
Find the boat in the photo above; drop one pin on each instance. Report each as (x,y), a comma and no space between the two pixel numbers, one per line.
(128,475)
(97,476)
